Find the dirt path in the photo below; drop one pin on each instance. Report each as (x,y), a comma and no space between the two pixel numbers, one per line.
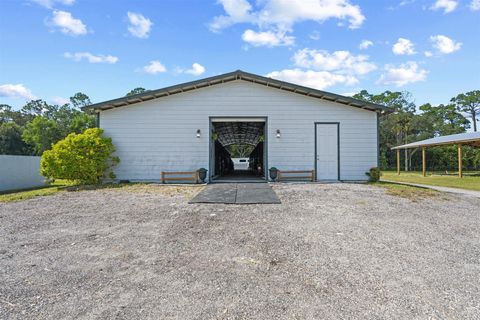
(327,251)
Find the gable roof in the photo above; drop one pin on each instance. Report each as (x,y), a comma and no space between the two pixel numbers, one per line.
(232,76)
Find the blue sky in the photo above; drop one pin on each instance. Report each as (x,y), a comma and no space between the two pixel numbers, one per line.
(51,49)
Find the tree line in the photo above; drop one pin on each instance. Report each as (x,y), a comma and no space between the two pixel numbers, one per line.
(37,125)
(409,123)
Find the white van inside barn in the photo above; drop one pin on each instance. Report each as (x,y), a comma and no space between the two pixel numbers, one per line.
(206,123)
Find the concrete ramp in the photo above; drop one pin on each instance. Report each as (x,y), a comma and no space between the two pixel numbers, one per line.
(237,193)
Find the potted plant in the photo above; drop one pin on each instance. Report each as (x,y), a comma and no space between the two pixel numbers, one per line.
(202,174)
(273,173)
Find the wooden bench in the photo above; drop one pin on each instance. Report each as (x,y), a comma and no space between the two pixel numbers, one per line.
(296,175)
(180,176)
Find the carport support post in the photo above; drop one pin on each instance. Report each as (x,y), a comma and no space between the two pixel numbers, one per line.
(460,173)
(398,161)
(424,162)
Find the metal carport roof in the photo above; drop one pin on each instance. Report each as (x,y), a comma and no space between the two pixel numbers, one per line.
(469,138)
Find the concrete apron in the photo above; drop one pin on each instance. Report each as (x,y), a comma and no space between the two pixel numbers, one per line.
(237,193)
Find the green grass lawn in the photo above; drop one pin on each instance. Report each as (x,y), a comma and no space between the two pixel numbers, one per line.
(469,182)
(17,195)
(414,194)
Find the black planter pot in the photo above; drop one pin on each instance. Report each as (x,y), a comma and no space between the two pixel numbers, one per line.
(202,174)
(273,174)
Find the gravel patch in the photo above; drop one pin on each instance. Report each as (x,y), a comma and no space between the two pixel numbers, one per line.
(329,251)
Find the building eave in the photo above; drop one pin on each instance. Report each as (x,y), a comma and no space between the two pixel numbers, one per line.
(232,76)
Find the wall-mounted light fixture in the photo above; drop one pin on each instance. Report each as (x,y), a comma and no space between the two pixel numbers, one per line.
(278,133)
(198,133)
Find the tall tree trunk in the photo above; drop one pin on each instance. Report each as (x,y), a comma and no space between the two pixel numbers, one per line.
(398,136)
(410,156)
(474,119)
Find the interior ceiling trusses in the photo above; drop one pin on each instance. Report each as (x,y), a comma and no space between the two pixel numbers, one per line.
(229,133)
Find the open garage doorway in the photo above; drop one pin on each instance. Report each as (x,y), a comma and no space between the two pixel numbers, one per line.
(238,149)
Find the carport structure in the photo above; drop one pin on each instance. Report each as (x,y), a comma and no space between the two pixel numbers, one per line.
(461,139)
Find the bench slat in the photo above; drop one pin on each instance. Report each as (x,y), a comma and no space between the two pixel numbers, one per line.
(193,176)
(306,171)
(301,175)
(179,172)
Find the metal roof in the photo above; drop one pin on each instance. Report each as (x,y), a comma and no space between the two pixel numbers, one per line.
(239,132)
(232,76)
(470,138)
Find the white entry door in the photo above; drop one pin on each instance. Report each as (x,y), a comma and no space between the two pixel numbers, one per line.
(327,151)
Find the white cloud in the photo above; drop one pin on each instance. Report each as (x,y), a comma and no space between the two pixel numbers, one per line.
(428,54)
(403,46)
(59,101)
(139,25)
(321,69)
(445,5)
(365,44)
(315,35)
(399,76)
(475,5)
(238,11)
(67,23)
(154,67)
(406,2)
(401,4)
(350,94)
(339,61)
(313,79)
(267,38)
(274,17)
(50,3)
(284,14)
(196,69)
(16,91)
(444,44)
(78,56)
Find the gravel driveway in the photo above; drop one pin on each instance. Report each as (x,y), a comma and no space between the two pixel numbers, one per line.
(327,252)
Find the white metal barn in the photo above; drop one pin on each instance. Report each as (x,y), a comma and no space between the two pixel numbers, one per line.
(191,125)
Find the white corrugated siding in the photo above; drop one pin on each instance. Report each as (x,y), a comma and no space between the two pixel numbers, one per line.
(160,135)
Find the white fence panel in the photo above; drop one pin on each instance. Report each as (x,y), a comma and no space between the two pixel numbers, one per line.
(20,172)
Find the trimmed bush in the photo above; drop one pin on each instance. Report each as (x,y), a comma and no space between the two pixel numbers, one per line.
(85,158)
(374,174)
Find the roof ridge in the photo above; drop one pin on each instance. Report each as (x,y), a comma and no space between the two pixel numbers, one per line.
(232,76)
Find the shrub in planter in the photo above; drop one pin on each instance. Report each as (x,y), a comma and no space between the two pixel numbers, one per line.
(202,174)
(273,173)
(374,174)
(85,158)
